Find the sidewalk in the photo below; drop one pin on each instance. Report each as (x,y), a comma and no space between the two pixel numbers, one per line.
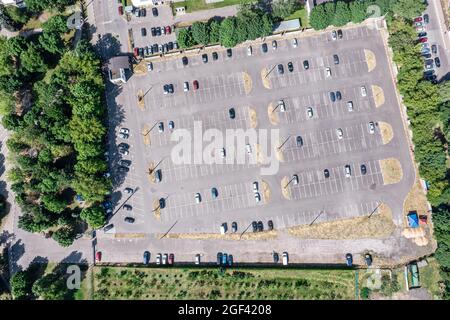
(206,14)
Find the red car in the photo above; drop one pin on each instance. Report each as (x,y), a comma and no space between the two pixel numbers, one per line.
(120,8)
(424,39)
(418,19)
(171,258)
(98,256)
(168,30)
(195,84)
(136,52)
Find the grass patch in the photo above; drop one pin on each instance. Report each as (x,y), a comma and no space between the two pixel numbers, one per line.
(196,5)
(302,15)
(430,278)
(123,283)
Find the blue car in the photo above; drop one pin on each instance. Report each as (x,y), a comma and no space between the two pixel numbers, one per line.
(146,257)
(349,259)
(219,258)
(214,193)
(230,260)
(224,259)
(332,97)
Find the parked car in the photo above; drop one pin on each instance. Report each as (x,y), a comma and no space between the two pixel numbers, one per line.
(295,179)
(363,169)
(255,186)
(155,12)
(421,34)
(184,60)
(338,95)
(158,175)
(128,190)
(336,59)
(276,258)
(146,257)
(108,227)
(219,258)
(260,226)
(257,197)
(248,148)
(171,125)
(123,169)
(123,136)
(282,105)
(426,18)
(164,258)
(197,259)
(162,203)
(264,48)
(270,224)
(98,256)
(230,260)
(158,258)
(195,83)
(249,50)
(274,45)
(332,96)
(350,106)
(326,173)
(205,58)
(305,64)
(309,112)
(294,43)
(198,198)
(153,31)
(434,48)
(215,56)
(363,91)
(327,72)
(422,40)
(418,19)
(214,193)
(437,62)
(371,127)
(129,220)
(349,259)
(125,163)
(224,259)
(127,207)
(186,86)
(340,133)
(232,113)
(229,53)
(168,30)
(285,258)
(161,127)
(149,66)
(333,35)
(120,9)
(368,259)
(339,34)
(171,259)
(143,32)
(255,226)
(234,226)
(299,141)
(348,171)
(290,67)
(280,69)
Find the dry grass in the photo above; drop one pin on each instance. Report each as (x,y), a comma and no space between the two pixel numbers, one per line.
(265,235)
(248,84)
(140,68)
(380,225)
(146,135)
(378,96)
(370,60)
(140,99)
(386,132)
(416,200)
(273,116)
(129,235)
(156,209)
(151,172)
(285,191)
(391,169)
(265,79)
(266,193)
(260,159)
(253,117)
(279,153)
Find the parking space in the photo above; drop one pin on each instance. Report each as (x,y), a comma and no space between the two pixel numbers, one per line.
(333,136)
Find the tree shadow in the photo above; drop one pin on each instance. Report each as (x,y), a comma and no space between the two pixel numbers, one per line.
(16,251)
(107,46)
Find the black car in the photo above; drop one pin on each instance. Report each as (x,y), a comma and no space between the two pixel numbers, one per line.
(339,34)
(155,12)
(255,226)
(158,175)
(336,59)
(219,258)
(349,259)
(162,203)
(426,55)
(170,88)
(332,96)
(125,163)
(437,62)
(434,48)
(146,257)
(264,47)
(326,173)
(170,45)
(230,260)
(280,69)
(129,219)
(299,141)
(127,207)
(426,18)
(204,58)
(108,227)
(232,113)
(153,31)
(363,169)
(123,169)
(141,52)
(338,95)
(158,31)
(431,77)
(260,226)
(234,226)
(185,61)
(306,64)
(276,258)
(229,53)
(368,259)
(290,66)
(123,145)
(421,34)
(215,56)
(143,12)
(270,224)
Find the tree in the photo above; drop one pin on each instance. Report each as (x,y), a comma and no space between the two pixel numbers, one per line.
(214,31)
(228,36)
(284,8)
(94,216)
(54,203)
(20,285)
(342,14)
(65,235)
(90,187)
(32,60)
(357,11)
(185,38)
(51,287)
(200,32)
(321,16)
(408,9)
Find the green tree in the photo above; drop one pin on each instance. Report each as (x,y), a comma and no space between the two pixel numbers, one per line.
(185,38)
(65,236)
(20,285)
(54,203)
(284,8)
(321,16)
(51,37)
(228,36)
(90,187)
(32,60)
(51,287)
(94,216)
(358,11)
(200,32)
(342,14)
(214,31)
(408,9)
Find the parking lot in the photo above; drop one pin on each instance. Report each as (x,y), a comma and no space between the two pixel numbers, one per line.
(332,137)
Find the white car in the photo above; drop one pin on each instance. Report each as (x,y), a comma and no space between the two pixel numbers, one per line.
(294,43)
(282,106)
(257,197)
(371,127)
(327,72)
(348,171)
(309,112)
(333,35)
(198,198)
(197,259)
(124,130)
(249,51)
(350,106)
(149,66)
(295,179)
(164,258)
(285,258)
(171,125)
(222,153)
(161,127)
(363,91)
(186,86)
(339,133)
(123,135)
(248,148)
(158,258)
(255,186)
(223,228)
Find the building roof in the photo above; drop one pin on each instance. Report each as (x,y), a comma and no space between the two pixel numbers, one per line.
(119,62)
(288,25)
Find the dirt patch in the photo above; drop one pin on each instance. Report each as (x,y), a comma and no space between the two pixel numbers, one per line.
(273,115)
(286,191)
(265,191)
(140,99)
(156,209)
(417,235)
(378,96)
(248,84)
(380,225)
(265,235)
(253,117)
(371,60)
(279,153)
(265,78)
(140,68)
(146,134)
(386,132)
(151,172)
(129,235)
(391,169)
(416,200)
